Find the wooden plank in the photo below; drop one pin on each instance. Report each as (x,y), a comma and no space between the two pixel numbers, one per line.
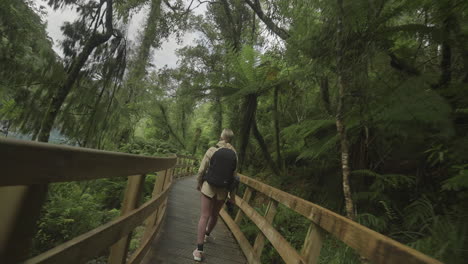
(368,243)
(284,249)
(58,163)
(246,197)
(177,238)
(269,216)
(20,209)
(313,244)
(118,251)
(90,244)
(244,244)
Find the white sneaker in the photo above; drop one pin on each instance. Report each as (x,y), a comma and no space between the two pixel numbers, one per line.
(197,255)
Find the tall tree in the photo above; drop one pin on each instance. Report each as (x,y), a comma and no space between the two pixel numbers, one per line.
(99,34)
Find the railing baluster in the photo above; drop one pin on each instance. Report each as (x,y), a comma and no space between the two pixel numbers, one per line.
(152,220)
(118,251)
(167,181)
(247,196)
(313,244)
(269,216)
(20,209)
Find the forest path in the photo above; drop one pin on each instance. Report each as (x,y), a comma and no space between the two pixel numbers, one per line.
(177,238)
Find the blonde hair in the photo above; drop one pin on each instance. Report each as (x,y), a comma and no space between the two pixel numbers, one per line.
(227,135)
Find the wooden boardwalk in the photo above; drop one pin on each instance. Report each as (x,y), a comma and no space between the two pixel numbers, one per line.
(177,238)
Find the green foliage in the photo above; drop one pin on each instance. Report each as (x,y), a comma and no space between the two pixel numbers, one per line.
(404,108)
(459,181)
(150,147)
(69,211)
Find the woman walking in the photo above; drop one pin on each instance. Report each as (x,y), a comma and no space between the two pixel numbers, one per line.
(215,178)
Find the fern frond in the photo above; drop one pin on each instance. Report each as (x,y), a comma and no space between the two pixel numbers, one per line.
(419,214)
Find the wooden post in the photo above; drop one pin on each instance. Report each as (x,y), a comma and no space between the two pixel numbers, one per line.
(158,187)
(118,251)
(247,196)
(269,216)
(20,209)
(313,244)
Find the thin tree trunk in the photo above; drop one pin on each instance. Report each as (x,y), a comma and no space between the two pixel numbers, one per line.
(236,27)
(106,117)
(169,127)
(250,106)
(57,101)
(340,126)
(256,7)
(196,140)
(325,94)
(218,116)
(279,160)
(182,125)
(263,146)
(446,62)
(137,70)
(93,117)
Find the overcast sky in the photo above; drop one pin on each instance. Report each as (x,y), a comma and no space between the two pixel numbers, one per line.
(163,56)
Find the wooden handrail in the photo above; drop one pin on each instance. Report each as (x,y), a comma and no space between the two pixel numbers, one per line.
(372,245)
(27,168)
(25,163)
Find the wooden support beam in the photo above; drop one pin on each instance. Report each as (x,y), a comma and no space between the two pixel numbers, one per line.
(20,209)
(284,249)
(313,244)
(118,251)
(244,244)
(247,196)
(158,188)
(269,216)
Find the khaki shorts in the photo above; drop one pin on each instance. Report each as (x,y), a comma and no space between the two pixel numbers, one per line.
(212,191)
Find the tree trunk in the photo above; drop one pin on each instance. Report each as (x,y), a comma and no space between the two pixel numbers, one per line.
(257,8)
(59,97)
(169,127)
(218,116)
(264,148)
(279,160)
(93,117)
(325,94)
(446,62)
(106,117)
(196,140)
(249,106)
(340,126)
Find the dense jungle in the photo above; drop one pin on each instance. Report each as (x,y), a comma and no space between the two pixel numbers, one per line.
(358,106)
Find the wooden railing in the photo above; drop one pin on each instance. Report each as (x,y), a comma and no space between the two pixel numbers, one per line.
(369,244)
(27,168)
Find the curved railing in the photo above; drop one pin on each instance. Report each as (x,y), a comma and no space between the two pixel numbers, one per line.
(371,245)
(27,168)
